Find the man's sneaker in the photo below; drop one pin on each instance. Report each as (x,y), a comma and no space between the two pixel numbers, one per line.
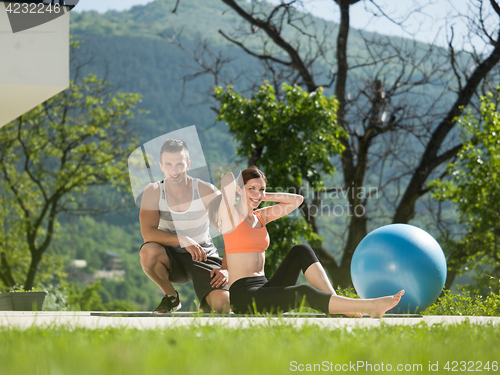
(204,308)
(168,305)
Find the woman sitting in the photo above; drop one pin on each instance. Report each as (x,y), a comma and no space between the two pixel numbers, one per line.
(245,241)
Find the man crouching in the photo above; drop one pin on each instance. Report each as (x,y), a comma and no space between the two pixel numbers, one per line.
(175,227)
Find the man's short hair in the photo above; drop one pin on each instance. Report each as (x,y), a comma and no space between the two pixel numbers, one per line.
(174,146)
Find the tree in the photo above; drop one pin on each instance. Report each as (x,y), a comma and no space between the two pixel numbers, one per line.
(386,96)
(474,188)
(49,158)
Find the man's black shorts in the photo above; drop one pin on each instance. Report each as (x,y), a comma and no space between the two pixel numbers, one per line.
(184,269)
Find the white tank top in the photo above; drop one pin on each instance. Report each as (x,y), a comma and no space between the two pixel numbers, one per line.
(192,223)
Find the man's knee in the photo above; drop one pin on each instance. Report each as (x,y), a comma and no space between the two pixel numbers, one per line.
(152,253)
(218,300)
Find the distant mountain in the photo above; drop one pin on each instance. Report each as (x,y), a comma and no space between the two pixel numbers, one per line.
(198,16)
(125,47)
(141,61)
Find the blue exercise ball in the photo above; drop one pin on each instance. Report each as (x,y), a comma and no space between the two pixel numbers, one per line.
(395,257)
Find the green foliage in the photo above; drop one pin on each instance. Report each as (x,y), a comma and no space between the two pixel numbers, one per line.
(347,292)
(154,68)
(296,137)
(92,239)
(476,175)
(117,305)
(70,297)
(57,299)
(11,225)
(49,158)
(89,299)
(474,187)
(463,304)
(482,283)
(22,290)
(146,21)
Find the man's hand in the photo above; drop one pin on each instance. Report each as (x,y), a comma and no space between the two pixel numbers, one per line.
(193,248)
(219,278)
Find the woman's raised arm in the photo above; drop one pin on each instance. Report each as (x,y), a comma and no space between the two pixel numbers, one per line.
(286,203)
(223,215)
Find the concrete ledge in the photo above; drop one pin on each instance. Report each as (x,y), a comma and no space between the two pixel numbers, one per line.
(72,319)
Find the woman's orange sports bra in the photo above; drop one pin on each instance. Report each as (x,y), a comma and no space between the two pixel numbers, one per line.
(246,239)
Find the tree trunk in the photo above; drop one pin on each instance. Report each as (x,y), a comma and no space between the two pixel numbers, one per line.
(30,277)
(450,278)
(255,156)
(357,231)
(325,258)
(5,272)
(328,263)
(342,277)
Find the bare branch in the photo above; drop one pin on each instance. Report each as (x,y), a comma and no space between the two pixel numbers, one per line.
(274,35)
(481,20)
(453,61)
(176,5)
(495,6)
(263,57)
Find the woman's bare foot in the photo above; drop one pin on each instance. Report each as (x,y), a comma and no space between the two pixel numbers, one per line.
(354,315)
(381,305)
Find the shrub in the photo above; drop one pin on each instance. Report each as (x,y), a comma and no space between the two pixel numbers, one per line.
(347,292)
(465,305)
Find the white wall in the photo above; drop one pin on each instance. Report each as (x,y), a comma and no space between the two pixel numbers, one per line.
(34,65)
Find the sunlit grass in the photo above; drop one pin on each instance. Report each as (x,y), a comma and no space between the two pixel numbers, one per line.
(261,349)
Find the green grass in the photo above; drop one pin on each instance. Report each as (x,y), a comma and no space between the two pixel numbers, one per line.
(267,349)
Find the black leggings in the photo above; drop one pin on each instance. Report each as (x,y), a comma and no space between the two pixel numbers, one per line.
(279,293)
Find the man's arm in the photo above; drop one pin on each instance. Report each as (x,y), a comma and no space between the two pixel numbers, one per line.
(149,217)
(207,192)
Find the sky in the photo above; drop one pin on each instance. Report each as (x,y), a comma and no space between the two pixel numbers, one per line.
(423,24)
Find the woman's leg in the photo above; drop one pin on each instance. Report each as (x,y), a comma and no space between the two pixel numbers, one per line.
(299,258)
(273,299)
(316,276)
(252,294)
(248,296)
(302,258)
(280,292)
